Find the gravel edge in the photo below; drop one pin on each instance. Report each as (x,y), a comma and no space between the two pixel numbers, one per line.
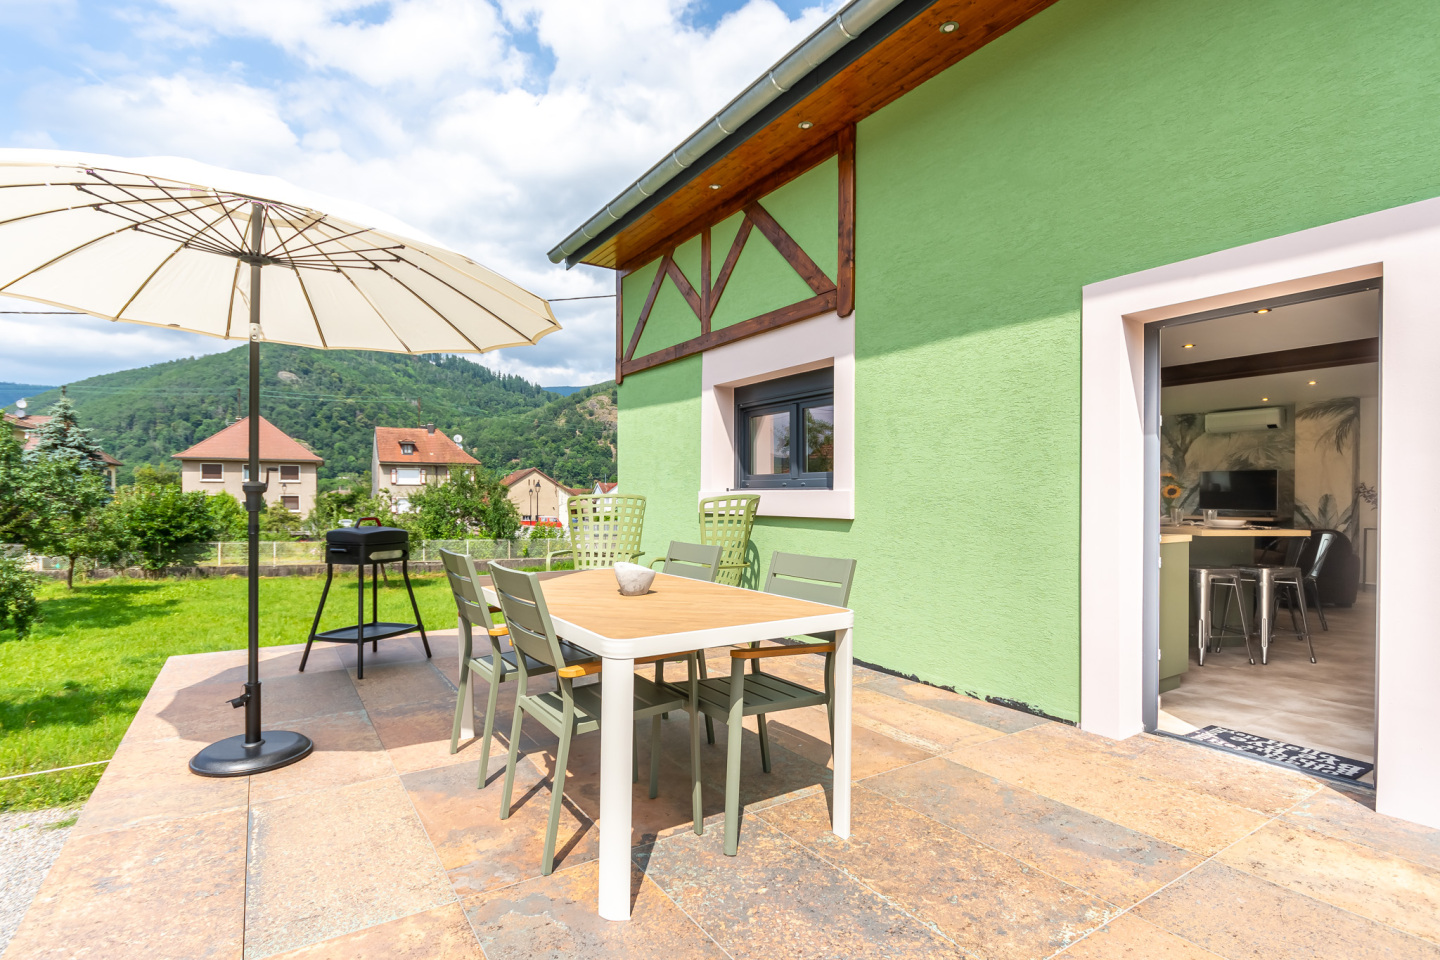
(29,843)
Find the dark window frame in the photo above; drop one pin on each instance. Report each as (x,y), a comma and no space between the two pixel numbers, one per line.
(794,394)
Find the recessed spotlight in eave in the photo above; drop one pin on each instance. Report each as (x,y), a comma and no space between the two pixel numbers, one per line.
(714,186)
(949,26)
(806,124)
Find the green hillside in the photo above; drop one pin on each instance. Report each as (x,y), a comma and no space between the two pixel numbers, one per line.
(10,392)
(333,399)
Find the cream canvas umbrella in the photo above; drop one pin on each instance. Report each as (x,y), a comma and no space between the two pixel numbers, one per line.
(173,243)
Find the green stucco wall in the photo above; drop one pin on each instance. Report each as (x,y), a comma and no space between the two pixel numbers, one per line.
(1100,138)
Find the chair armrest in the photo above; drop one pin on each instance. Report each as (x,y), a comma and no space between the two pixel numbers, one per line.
(576,670)
(763,652)
(655,561)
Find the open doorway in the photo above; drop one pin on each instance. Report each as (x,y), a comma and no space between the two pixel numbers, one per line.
(1268,464)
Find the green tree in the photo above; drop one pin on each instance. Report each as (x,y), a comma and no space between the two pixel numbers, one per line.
(278,523)
(471,503)
(65,503)
(62,438)
(336,505)
(231,521)
(18,606)
(148,476)
(162,524)
(12,476)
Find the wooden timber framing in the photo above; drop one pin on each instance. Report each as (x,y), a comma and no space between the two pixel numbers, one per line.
(837,295)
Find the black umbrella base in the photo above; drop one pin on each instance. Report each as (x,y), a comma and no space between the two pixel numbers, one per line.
(232,758)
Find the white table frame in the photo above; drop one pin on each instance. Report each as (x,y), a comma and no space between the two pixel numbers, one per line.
(617,722)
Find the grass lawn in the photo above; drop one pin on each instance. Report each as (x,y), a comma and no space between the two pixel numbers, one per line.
(69,690)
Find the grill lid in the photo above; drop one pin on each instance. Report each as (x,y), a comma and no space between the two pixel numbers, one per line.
(368,536)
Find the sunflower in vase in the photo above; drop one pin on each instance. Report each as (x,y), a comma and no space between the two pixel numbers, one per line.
(1170,493)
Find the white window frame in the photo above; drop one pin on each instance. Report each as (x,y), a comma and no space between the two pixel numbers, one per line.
(291,496)
(397,480)
(205,479)
(407,449)
(824,341)
(295,466)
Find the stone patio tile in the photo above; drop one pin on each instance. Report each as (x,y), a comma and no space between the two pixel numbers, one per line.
(395,650)
(396,684)
(775,899)
(480,851)
(990,904)
(1127,937)
(1397,892)
(417,735)
(554,917)
(1335,814)
(989,715)
(327,864)
(1084,850)
(440,934)
(171,889)
(346,751)
(806,732)
(150,781)
(202,712)
(1242,917)
(1111,787)
(230,666)
(1262,787)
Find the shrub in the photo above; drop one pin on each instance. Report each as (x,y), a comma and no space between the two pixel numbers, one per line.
(18,607)
(161,524)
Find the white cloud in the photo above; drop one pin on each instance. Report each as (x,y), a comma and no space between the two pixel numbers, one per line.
(432,110)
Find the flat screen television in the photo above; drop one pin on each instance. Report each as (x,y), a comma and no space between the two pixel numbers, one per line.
(1247,490)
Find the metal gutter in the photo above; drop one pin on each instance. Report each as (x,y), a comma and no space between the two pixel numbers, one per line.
(737,121)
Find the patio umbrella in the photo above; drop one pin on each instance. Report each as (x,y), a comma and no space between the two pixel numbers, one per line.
(178,244)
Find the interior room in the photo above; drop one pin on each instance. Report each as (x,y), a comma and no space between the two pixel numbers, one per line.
(1269,489)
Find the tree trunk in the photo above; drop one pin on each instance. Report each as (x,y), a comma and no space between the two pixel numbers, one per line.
(70,574)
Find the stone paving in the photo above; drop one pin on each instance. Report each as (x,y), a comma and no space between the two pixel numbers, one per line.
(978,831)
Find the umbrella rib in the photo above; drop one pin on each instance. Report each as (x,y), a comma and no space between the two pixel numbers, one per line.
(444,319)
(204,227)
(141,289)
(462,293)
(57,259)
(313,315)
(129,191)
(230,311)
(378,312)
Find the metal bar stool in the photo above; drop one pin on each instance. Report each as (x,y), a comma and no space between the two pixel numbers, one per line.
(1205,580)
(1269,579)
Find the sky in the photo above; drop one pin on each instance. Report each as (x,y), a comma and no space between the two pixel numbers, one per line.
(494,126)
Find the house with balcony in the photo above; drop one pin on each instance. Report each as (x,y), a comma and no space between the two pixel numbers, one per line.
(220,464)
(406,458)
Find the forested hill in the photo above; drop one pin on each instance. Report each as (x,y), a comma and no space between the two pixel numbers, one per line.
(10,392)
(333,399)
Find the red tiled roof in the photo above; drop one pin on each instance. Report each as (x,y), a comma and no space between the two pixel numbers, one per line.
(608,487)
(37,421)
(429,447)
(233,443)
(511,479)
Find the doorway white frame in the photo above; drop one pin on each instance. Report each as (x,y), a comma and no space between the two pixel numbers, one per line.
(1402,245)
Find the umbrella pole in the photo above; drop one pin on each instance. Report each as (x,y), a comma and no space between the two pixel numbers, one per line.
(252,752)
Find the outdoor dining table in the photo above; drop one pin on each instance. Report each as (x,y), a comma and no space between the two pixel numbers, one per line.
(677,615)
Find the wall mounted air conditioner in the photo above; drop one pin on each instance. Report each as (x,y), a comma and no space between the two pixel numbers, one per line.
(1236,421)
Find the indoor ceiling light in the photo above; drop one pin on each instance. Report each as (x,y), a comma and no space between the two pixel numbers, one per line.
(1189,346)
(1263,310)
(1264,399)
(949,26)
(806,124)
(1312,383)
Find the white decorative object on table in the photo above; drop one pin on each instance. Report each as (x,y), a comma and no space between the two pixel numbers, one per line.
(1228,523)
(634,579)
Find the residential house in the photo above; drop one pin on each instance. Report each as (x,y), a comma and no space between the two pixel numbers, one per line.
(404,458)
(538,497)
(220,464)
(27,427)
(941,242)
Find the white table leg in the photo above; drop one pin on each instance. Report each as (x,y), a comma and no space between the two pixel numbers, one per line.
(617,731)
(467,706)
(844,683)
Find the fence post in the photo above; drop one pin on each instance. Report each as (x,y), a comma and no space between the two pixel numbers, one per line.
(219,553)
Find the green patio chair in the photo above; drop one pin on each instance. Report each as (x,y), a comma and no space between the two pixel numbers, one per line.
(697,561)
(569,710)
(497,666)
(727,521)
(820,580)
(605,528)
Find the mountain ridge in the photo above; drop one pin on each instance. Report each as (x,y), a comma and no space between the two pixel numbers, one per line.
(333,399)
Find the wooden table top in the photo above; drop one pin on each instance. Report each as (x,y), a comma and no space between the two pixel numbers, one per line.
(1199,531)
(591,599)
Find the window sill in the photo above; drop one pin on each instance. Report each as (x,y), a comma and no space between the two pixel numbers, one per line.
(813,504)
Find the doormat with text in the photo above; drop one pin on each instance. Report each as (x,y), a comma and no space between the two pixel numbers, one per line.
(1304,758)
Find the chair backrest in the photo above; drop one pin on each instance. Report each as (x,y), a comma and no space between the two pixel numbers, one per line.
(605,528)
(523,604)
(817,579)
(469,602)
(1294,546)
(697,561)
(727,521)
